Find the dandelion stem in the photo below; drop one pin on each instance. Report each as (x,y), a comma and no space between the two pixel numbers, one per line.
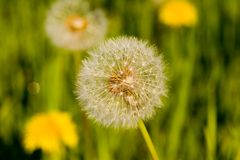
(148,140)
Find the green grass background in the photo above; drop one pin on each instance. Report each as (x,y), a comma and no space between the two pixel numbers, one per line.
(201,116)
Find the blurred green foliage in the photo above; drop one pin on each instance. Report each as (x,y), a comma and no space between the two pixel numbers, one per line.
(201,117)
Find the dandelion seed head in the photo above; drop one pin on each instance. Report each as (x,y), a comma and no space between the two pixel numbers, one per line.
(72,25)
(120,95)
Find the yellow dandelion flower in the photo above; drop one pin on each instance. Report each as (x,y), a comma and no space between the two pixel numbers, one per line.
(178,13)
(49,132)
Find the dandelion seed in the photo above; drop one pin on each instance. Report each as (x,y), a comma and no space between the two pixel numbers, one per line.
(49,132)
(178,13)
(33,88)
(129,91)
(71,25)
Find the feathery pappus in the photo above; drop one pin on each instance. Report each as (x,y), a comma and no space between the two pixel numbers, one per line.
(72,25)
(122,82)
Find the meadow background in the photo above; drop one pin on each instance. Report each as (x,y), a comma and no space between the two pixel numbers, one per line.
(201,116)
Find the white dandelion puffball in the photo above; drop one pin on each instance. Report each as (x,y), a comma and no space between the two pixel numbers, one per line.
(122,82)
(71,25)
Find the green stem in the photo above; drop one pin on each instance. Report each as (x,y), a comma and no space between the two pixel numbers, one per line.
(148,140)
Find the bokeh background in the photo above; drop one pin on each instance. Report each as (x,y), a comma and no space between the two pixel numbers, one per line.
(201,116)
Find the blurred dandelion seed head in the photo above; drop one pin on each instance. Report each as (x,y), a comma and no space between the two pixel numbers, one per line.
(49,132)
(71,25)
(122,82)
(176,13)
